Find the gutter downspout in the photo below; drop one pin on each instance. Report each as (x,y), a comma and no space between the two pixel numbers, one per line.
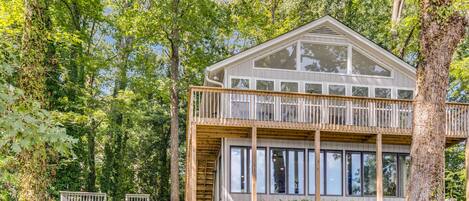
(212,81)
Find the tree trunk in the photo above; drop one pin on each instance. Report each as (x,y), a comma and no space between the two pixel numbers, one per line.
(33,179)
(174,73)
(438,39)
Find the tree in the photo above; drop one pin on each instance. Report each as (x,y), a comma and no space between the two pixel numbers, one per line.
(442,28)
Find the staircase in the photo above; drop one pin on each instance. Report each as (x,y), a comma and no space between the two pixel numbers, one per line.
(206,169)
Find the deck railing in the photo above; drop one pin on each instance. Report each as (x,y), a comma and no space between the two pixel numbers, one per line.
(82,196)
(137,197)
(222,106)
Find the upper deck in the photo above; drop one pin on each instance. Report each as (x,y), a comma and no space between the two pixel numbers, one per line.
(299,111)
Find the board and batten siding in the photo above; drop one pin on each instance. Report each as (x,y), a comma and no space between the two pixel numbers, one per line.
(244,68)
(304,144)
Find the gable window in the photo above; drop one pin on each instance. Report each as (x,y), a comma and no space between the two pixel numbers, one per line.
(282,59)
(362,65)
(240,170)
(323,58)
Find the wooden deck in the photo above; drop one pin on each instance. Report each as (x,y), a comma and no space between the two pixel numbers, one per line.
(216,113)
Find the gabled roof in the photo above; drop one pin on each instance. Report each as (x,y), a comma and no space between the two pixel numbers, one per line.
(307,28)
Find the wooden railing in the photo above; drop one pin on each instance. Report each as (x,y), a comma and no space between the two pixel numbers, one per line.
(82,196)
(236,107)
(137,197)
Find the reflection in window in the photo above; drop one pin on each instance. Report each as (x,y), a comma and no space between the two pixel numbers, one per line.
(404,173)
(261,172)
(296,171)
(369,174)
(313,88)
(265,104)
(239,170)
(389,174)
(323,58)
(405,94)
(382,93)
(277,170)
(337,90)
(360,91)
(354,174)
(289,106)
(312,172)
(240,102)
(334,173)
(362,65)
(239,83)
(283,59)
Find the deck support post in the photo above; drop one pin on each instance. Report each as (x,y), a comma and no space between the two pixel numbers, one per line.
(379,167)
(254,164)
(317,157)
(466,162)
(191,179)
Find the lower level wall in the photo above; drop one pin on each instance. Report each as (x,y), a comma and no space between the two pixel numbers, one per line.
(222,190)
(245,197)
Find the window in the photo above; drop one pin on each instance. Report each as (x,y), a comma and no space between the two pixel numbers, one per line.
(313,104)
(239,102)
(289,106)
(360,91)
(354,179)
(296,171)
(282,59)
(337,90)
(265,104)
(369,174)
(382,93)
(362,65)
(312,172)
(404,173)
(331,176)
(240,168)
(405,94)
(361,174)
(333,173)
(389,174)
(313,88)
(261,172)
(323,58)
(237,83)
(278,177)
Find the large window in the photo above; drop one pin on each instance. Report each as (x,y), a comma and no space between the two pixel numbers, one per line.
(323,58)
(287,173)
(240,170)
(361,174)
(289,106)
(362,65)
(337,108)
(360,108)
(282,59)
(331,175)
(313,104)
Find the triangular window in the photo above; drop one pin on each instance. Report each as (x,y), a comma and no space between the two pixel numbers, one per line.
(362,65)
(282,59)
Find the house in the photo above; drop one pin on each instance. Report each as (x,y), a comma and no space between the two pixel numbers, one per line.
(327,112)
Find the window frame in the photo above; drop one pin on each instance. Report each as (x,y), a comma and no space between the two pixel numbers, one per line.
(248,181)
(286,170)
(324,183)
(405,89)
(318,40)
(318,83)
(399,185)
